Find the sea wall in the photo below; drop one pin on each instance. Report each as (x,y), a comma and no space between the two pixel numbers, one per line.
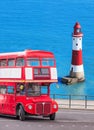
(75,104)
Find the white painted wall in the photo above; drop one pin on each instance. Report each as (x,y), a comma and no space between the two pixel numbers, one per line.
(77,43)
(77,68)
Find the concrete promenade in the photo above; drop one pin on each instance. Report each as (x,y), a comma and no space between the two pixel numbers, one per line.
(75,104)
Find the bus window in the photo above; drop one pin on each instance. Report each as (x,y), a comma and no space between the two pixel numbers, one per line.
(41,71)
(11,62)
(33,90)
(33,62)
(44,71)
(10,89)
(3,62)
(44,89)
(2,89)
(20,62)
(47,62)
(20,89)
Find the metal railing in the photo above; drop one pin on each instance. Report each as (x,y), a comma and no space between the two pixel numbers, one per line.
(74,101)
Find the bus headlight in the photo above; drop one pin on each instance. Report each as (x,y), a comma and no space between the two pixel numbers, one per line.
(29,107)
(55,106)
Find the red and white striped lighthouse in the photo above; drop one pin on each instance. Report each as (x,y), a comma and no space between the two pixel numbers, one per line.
(77,70)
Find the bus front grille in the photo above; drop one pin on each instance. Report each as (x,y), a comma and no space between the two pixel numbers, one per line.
(43,108)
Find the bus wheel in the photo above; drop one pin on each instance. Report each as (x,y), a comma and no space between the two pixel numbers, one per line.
(52,116)
(21,113)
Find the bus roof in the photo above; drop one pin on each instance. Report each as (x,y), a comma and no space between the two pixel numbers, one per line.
(28,53)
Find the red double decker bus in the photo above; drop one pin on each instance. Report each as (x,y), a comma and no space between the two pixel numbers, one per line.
(25,79)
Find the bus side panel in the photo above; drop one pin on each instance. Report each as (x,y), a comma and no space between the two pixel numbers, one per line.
(9,105)
(1,102)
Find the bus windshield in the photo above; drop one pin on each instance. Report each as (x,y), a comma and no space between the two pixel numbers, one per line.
(31,89)
(36,90)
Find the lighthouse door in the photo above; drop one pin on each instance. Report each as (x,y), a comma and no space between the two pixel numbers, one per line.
(71,72)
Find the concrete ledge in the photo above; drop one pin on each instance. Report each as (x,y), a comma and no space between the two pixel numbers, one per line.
(69,80)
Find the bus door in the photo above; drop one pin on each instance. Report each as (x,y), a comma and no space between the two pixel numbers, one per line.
(10,100)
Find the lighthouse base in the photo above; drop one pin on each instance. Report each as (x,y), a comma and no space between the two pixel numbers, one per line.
(70,80)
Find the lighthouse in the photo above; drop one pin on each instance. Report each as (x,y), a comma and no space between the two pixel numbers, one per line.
(76,70)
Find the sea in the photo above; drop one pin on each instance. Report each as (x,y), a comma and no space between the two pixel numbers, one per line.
(48,25)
